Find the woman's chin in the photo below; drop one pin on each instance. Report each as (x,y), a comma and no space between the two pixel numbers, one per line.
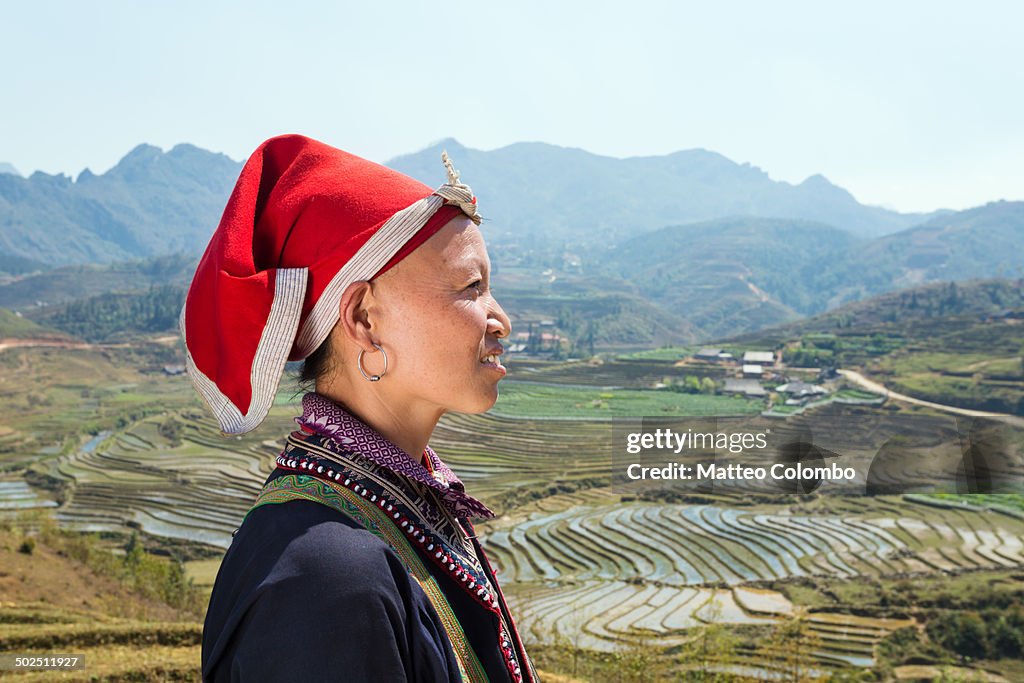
(482,403)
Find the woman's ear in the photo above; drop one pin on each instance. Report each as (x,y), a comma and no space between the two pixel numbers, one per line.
(354,314)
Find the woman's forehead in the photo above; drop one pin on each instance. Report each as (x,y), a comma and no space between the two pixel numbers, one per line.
(455,250)
(459,244)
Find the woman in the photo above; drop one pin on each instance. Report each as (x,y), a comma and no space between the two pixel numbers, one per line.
(358,561)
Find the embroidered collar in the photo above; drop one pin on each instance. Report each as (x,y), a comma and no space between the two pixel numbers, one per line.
(323,416)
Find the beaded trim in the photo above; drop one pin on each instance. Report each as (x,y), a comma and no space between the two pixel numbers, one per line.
(305,453)
(326,417)
(413,494)
(352,504)
(471,579)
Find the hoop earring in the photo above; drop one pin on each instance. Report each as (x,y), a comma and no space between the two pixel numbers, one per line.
(359,364)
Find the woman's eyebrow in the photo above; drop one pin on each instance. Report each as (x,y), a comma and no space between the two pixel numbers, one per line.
(476,265)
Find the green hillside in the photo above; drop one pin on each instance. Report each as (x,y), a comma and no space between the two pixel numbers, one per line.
(732,274)
(14,326)
(987,241)
(115,317)
(150,203)
(916,313)
(592,312)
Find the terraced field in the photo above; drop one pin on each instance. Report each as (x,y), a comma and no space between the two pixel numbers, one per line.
(577,559)
(15,495)
(578,562)
(603,574)
(197,491)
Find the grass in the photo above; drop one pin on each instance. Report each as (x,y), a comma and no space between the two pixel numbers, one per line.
(982,364)
(525,399)
(858,394)
(203,572)
(670,353)
(969,379)
(13,326)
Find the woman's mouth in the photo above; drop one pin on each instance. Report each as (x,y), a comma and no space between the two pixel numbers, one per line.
(491,361)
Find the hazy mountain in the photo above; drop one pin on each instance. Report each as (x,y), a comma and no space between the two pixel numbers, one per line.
(977,243)
(732,275)
(535,192)
(701,278)
(8,169)
(735,274)
(538,196)
(12,264)
(150,203)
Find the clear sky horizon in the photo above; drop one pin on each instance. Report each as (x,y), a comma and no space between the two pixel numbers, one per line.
(911,105)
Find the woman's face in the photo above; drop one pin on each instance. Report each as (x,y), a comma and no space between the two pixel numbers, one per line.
(437,319)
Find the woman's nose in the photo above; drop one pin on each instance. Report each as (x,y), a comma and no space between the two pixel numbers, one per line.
(498,322)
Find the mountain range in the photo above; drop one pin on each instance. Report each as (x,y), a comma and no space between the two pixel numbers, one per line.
(537,191)
(151,203)
(534,195)
(645,250)
(738,274)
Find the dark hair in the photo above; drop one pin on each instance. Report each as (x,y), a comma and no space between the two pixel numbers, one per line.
(316,365)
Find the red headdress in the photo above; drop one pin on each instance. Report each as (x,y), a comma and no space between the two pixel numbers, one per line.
(304,221)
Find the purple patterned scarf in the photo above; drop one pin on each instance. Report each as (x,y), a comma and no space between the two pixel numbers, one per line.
(325,417)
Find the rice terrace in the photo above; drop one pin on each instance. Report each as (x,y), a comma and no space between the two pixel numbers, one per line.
(607,586)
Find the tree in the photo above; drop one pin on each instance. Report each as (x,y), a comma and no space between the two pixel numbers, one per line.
(791,645)
(133,551)
(713,647)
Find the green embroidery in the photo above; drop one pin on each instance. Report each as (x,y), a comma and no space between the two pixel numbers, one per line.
(304,487)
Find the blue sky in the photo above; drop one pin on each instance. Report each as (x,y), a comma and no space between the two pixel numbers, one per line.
(910,105)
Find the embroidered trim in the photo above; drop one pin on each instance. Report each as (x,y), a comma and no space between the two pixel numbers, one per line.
(297,457)
(349,503)
(412,494)
(441,553)
(508,631)
(348,433)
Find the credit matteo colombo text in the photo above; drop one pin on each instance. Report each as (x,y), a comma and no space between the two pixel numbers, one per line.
(667,440)
(735,472)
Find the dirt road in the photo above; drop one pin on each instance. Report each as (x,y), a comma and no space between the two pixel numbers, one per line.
(864,382)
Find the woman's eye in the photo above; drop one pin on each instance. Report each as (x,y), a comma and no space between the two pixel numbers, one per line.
(476,285)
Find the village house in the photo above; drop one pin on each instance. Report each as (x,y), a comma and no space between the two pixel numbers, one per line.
(759,358)
(712,355)
(800,389)
(747,387)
